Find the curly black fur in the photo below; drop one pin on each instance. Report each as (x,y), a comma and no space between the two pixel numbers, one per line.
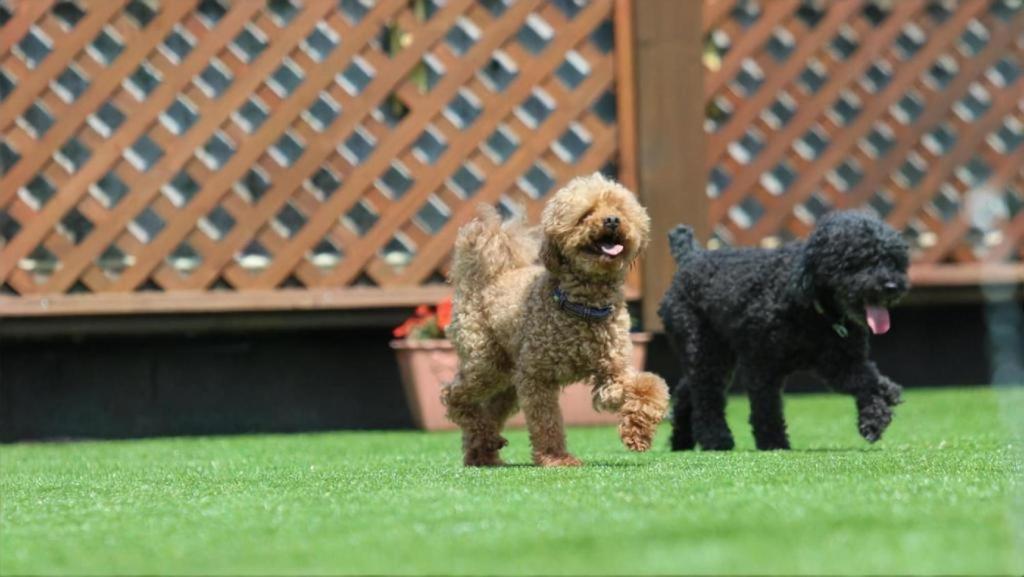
(754,316)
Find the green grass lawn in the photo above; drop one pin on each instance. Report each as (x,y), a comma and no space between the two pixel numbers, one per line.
(942,493)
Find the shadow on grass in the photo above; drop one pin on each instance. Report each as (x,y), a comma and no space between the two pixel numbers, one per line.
(752,451)
(843,450)
(614,465)
(586,465)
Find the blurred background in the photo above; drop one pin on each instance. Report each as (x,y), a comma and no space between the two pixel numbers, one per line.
(213,212)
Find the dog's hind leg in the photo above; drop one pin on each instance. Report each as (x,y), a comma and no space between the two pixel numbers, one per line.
(474,406)
(698,415)
(708,395)
(682,340)
(707,361)
(766,417)
(682,418)
(499,408)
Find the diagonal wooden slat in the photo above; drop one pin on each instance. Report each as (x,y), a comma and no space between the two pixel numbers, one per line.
(810,110)
(431,254)
(164,257)
(274,198)
(105,156)
(56,61)
(937,108)
(25,14)
(401,211)
(909,204)
(826,29)
(98,92)
(291,254)
(69,192)
(966,145)
(714,12)
(397,217)
(837,150)
(774,12)
(955,233)
(254,146)
(1013,238)
(148,186)
(386,150)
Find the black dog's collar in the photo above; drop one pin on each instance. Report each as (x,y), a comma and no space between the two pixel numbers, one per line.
(585,312)
(839,326)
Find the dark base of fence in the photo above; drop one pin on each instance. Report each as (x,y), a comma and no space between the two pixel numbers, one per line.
(302,379)
(133,386)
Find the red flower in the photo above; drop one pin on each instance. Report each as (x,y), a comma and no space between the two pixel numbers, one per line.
(444,314)
(426,322)
(403,330)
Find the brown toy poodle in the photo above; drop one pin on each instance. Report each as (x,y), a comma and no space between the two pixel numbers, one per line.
(523,330)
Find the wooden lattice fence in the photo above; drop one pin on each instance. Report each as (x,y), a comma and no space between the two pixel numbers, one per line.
(913,108)
(215,154)
(210,154)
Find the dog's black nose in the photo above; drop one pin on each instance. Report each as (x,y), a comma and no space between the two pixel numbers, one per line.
(891,287)
(611,222)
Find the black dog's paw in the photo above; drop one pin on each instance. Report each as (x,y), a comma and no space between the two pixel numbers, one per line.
(682,441)
(718,444)
(772,444)
(873,419)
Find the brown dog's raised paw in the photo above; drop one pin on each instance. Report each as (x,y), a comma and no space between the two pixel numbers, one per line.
(636,434)
(646,401)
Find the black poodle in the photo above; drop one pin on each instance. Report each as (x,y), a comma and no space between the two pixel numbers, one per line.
(754,316)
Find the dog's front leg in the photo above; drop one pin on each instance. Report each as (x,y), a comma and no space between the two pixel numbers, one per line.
(764,388)
(875,395)
(641,399)
(539,401)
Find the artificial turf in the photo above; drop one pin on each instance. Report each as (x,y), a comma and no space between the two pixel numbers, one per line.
(942,493)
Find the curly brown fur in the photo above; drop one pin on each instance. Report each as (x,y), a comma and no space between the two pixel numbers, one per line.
(643,407)
(518,348)
(754,316)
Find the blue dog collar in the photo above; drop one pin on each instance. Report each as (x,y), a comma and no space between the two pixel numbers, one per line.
(587,313)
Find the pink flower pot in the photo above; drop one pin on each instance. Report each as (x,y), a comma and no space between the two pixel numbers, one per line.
(426,365)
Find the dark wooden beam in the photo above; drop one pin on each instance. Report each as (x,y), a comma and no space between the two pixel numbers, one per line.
(670,117)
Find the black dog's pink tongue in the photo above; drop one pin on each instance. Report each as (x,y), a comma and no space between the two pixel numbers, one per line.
(611,249)
(878,319)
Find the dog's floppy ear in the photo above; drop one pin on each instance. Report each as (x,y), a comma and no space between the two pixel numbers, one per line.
(550,256)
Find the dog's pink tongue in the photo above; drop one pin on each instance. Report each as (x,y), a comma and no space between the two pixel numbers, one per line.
(878,319)
(612,249)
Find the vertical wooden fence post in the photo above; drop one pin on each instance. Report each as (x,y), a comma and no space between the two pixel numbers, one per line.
(670,112)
